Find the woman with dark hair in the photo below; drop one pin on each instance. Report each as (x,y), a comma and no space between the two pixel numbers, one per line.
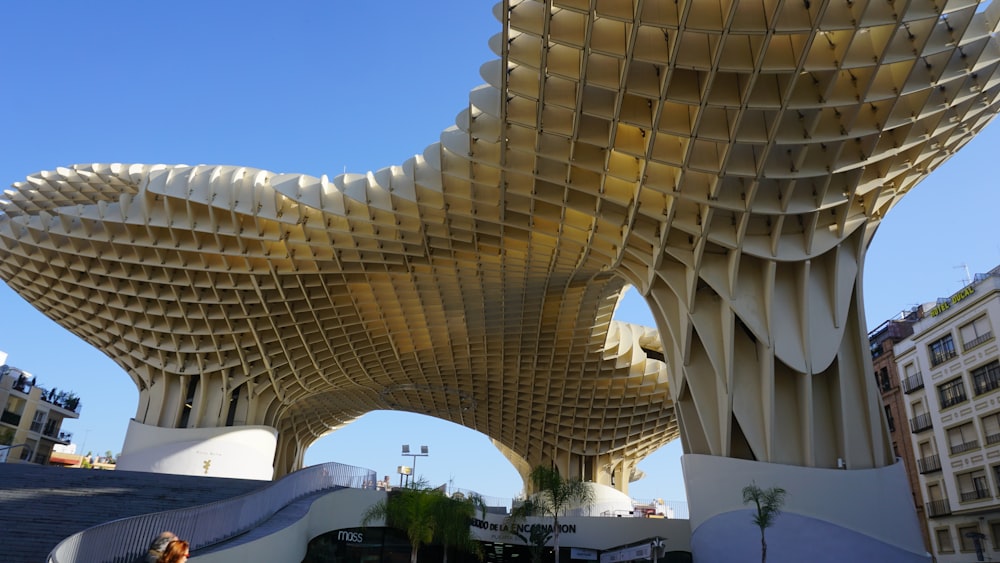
(177,552)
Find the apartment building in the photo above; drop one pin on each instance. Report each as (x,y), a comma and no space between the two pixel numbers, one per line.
(31,416)
(950,370)
(882,341)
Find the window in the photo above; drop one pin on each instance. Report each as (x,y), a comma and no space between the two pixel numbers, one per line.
(883,376)
(39,420)
(928,460)
(967,536)
(937,504)
(942,350)
(962,438)
(986,378)
(926,449)
(921,420)
(995,534)
(975,333)
(991,428)
(973,485)
(16,405)
(12,412)
(876,348)
(912,379)
(29,448)
(952,393)
(889,419)
(943,537)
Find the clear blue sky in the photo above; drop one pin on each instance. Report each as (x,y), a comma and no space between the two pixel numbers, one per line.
(320,88)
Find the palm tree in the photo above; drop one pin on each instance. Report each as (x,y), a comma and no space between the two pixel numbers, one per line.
(553,496)
(452,522)
(537,536)
(426,514)
(768,502)
(411,509)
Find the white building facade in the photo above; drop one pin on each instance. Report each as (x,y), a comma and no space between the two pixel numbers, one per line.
(950,370)
(31,416)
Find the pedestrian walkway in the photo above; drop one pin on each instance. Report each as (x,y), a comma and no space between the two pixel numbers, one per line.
(42,505)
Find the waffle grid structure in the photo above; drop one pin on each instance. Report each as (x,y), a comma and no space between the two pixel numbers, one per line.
(730,159)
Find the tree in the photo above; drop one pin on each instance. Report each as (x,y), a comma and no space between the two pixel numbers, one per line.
(426,514)
(537,536)
(453,516)
(768,502)
(552,496)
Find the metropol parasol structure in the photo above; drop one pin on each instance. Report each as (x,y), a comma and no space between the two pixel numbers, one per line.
(731,160)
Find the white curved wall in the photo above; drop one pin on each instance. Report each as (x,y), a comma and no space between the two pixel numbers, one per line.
(242,452)
(851,513)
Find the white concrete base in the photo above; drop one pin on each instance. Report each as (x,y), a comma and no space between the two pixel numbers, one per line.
(237,452)
(828,515)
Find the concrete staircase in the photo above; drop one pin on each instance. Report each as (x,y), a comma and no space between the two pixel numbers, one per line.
(42,505)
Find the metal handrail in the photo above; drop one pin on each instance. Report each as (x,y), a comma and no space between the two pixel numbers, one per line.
(121,541)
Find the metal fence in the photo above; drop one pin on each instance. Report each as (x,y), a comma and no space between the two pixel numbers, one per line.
(121,541)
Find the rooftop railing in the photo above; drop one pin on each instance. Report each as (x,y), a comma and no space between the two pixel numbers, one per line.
(121,541)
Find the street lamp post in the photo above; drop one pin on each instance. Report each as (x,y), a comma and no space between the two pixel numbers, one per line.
(408,453)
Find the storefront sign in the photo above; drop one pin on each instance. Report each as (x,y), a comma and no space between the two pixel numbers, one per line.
(519,528)
(350,537)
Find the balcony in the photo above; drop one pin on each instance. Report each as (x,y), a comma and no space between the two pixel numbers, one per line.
(55,435)
(992,439)
(10,418)
(914,382)
(920,423)
(964,447)
(937,508)
(942,356)
(975,494)
(953,398)
(984,383)
(977,341)
(929,464)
